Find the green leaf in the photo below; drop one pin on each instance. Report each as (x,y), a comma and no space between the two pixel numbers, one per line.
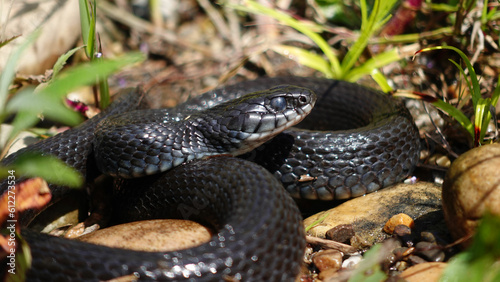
(457,115)
(480,261)
(61,61)
(481,106)
(23,120)
(30,105)
(9,70)
(381,81)
(369,269)
(372,64)
(49,100)
(49,168)
(462,73)
(369,25)
(443,7)
(475,91)
(89,73)
(7,41)
(305,58)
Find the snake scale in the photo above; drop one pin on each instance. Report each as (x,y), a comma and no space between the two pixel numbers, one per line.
(355,141)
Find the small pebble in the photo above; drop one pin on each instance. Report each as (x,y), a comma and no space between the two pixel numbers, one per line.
(400,252)
(341,233)
(428,237)
(328,260)
(359,243)
(397,220)
(403,232)
(401,265)
(416,259)
(352,261)
(430,251)
(308,255)
(440,160)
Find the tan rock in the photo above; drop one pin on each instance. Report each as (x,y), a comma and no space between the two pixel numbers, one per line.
(151,235)
(369,213)
(429,272)
(471,187)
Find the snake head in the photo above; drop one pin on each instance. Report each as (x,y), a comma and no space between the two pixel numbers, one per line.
(251,120)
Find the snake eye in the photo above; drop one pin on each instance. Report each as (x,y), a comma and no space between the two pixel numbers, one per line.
(278,103)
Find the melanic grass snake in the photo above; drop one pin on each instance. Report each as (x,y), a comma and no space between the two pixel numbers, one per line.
(260,237)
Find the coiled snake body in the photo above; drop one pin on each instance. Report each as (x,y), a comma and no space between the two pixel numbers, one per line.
(259,233)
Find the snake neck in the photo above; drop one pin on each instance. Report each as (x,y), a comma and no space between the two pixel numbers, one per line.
(212,138)
(142,143)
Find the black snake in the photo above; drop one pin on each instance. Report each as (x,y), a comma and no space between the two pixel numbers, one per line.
(357,141)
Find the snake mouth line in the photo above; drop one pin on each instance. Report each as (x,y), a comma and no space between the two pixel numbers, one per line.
(251,143)
(254,140)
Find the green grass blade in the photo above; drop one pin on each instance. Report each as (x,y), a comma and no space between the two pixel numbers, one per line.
(483,116)
(317,221)
(91,42)
(473,77)
(49,168)
(457,115)
(305,58)
(496,93)
(481,106)
(256,8)
(462,73)
(376,19)
(373,63)
(364,14)
(443,7)
(22,262)
(369,270)
(381,81)
(7,41)
(104,91)
(88,24)
(85,21)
